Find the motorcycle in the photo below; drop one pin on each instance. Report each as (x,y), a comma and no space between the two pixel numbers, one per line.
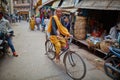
(4,47)
(112,63)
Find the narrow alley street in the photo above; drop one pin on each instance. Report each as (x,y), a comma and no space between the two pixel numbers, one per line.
(33,64)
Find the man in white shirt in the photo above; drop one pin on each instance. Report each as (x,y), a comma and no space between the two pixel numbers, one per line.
(113,32)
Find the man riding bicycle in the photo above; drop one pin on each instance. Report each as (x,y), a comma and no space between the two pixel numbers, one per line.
(57,32)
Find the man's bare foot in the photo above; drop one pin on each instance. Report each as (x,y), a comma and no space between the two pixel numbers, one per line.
(57,60)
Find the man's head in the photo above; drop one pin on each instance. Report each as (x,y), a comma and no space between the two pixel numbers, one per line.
(1,15)
(59,12)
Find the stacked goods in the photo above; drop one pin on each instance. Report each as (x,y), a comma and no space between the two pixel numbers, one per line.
(104,45)
(90,43)
(79,29)
(93,42)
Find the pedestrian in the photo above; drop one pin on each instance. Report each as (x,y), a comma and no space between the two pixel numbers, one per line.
(67,23)
(43,24)
(19,18)
(57,31)
(32,22)
(112,33)
(27,19)
(4,27)
(46,22)
(37,19)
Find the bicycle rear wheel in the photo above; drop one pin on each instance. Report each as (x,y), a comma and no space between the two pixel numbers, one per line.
(50,50)
(74,65)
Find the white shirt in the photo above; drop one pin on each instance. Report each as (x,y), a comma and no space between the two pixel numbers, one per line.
(113,32)
(4,25)
(46,22)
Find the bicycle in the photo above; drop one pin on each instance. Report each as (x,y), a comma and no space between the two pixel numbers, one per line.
(74,65)
(112,63)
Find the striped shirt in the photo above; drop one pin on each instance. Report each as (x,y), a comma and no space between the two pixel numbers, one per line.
(4,25)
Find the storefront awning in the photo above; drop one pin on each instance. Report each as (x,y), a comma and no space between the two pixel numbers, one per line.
(23,12)
(100,4)
(55,4)
(69,3)
(72,10)
(49,1)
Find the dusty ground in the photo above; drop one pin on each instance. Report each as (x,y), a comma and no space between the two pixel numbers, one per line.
(33,64)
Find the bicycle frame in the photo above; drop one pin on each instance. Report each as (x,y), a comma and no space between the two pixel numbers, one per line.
(68,57)
(68,49)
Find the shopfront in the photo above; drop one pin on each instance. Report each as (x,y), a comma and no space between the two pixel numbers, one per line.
(97,16)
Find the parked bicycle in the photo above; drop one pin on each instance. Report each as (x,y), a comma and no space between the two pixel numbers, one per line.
(112,63)
(74,65)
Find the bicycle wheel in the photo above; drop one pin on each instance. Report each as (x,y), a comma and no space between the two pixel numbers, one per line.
(112,68)
(74,65)
(50,51)
(46,36)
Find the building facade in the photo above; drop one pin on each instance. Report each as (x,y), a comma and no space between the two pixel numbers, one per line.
(21,8)
(3,5)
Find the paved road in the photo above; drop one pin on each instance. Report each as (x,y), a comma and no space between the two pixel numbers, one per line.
(32,64)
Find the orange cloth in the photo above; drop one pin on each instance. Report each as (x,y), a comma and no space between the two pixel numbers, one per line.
(32,23)
(61,28)
(53,38)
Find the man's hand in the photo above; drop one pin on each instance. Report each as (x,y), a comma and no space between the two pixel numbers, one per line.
(68,37)
(58,33)
(8,34)
(59,37)
(71,36)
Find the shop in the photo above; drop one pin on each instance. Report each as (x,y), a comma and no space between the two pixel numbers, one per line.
(94,21)
(24,14)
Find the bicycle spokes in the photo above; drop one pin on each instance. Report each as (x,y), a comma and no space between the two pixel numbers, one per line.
(75,66)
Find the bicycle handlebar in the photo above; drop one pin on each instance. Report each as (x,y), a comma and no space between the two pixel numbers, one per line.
(114,51)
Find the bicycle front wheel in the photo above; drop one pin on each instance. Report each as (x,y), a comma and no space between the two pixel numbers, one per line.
(74,65)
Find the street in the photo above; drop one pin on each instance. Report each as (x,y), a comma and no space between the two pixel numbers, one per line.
(33,64)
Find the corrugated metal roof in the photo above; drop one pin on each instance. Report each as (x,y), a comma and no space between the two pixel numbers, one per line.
(72,10)
(55,4)
(100,4)
(67,3)
(49,1)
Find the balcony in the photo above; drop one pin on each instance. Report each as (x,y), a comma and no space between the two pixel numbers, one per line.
(21,5)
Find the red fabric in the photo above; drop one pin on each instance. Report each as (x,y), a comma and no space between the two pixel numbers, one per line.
(96,34)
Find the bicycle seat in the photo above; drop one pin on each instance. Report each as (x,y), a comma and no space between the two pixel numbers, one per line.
(115,51)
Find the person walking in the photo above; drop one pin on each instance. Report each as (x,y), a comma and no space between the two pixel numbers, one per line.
(37,19)
(67,23)
(32,22)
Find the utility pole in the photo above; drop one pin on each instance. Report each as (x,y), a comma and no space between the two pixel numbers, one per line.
(11,7)
(31,8)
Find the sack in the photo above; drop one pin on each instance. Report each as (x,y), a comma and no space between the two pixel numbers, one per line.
(104,46)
